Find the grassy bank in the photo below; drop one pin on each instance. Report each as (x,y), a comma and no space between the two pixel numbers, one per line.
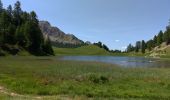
(49,76)
(84,50)
(91,50)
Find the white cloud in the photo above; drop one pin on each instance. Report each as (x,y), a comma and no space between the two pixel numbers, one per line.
(124,47)
(117,40)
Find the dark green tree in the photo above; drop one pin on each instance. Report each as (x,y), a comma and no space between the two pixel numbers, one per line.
(20,36)
(155,41)
(10,36)
(9,11)
(143,46)
(25,17)
(99,44)
(33,17)
(17,13)
(130,48)
(4,23)
(138,46)
(22,29)
(34,35)
(168,27)
(47,47)
(149,45)
(1,6)
(105,47)
(166,36)
(159,38)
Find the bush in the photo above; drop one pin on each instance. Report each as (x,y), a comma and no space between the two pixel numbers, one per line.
(10,49)
(98,79)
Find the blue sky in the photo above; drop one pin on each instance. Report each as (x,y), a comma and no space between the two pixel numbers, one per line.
(113,22)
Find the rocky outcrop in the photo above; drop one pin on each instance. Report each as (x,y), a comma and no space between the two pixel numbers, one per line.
(58,36)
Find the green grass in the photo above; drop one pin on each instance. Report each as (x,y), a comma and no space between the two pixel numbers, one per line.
(167,51)
(90,50)
(48,76)
(84,50)
(131,54)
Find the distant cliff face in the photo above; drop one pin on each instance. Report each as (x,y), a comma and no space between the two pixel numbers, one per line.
(58,36)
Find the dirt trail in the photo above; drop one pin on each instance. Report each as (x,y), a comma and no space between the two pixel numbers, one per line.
(4,91)
(12,94)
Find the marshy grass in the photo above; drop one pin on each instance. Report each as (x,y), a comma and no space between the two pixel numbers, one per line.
(49,76)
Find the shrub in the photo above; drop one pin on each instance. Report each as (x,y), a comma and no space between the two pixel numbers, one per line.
(97,78)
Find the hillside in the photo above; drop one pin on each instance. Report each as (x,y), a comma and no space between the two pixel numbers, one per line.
(58,36)
(158,46)
(161,51)
(84,50)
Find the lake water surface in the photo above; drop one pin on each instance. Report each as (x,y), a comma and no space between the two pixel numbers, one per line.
(123,61)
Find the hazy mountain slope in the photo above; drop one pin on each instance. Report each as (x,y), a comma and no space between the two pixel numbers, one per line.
(58,36)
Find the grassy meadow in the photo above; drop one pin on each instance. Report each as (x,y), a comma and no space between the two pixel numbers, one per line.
(83,50)
(90,50)
(51,78)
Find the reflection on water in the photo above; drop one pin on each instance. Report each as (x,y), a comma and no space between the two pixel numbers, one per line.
(122,61)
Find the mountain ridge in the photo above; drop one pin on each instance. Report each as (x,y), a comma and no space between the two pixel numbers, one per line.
(58,36)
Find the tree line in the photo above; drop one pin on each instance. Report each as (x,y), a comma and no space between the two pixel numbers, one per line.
(101,45)
(20,30)
(67,45)
(142,46)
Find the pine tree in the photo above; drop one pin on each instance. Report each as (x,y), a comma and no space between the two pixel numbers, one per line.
(155,41)
(11,34)
(143,46)
(168,27)
(99,44)
(9,11)
(1,6)
(160,38)
(33,17)
(130,48)
(105,47)
(4,23)
(22,28)
(47,47)
(137,47)
(166,35)
(149,45)
(34,35)
(17,13)
(25,17)
(20,36)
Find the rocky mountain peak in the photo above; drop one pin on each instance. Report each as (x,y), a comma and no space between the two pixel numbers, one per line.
(58,36)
